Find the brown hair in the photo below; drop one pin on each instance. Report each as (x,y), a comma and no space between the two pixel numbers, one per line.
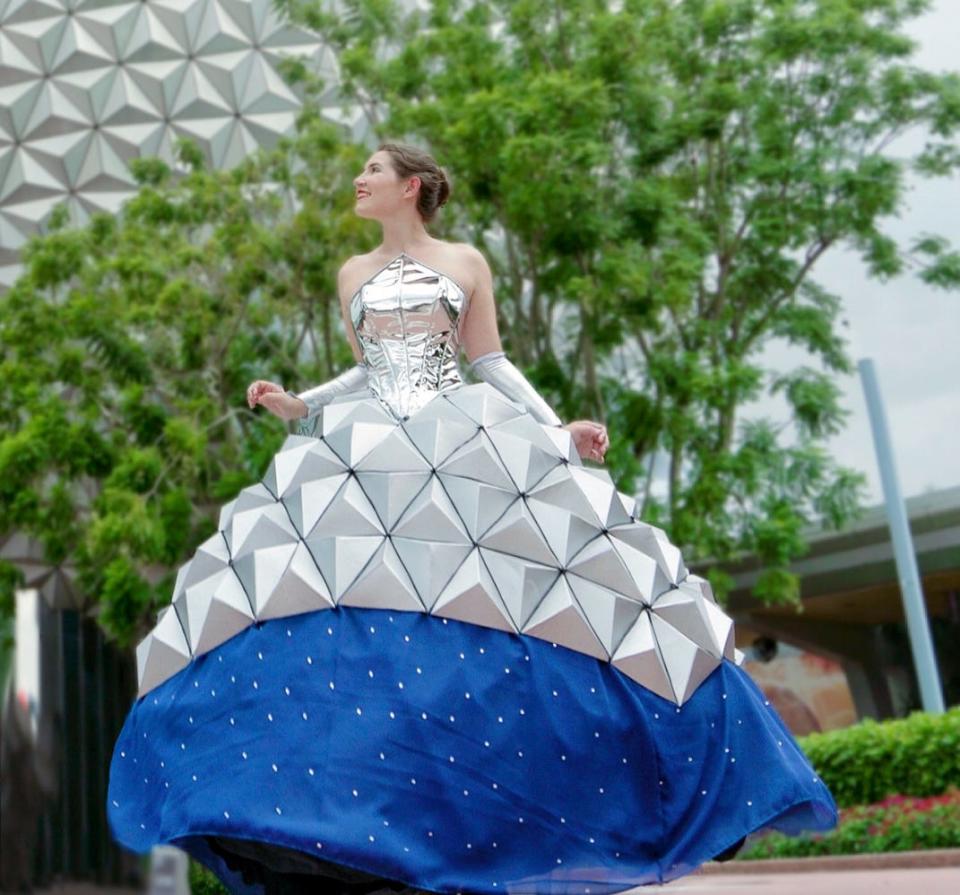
(408,161)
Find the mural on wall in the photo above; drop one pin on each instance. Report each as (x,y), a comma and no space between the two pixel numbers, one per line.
(809,692)
(88,85)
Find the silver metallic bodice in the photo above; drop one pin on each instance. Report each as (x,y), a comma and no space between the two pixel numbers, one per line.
(406,318)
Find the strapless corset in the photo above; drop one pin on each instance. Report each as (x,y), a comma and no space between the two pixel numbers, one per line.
(406,318)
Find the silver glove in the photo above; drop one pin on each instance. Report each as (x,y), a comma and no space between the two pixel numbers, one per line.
(348,381)
(495,369)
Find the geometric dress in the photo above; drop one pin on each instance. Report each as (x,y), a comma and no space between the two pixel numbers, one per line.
(433,650)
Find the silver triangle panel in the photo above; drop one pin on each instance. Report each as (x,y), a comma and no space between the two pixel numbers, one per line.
(517,533)
(283,581)
(213,611)
(479,505)
(391,493)
(383,584)
(559,619)
(639,658)
(308,502)
(267,526)
(300,460)
(162,653)
(654,542)
(396,453)
(483,404)
(610,614)
(686,663)
(599,562)
(566,533)
(248,499)
(526,463)
(688,614)
(342,559)
(602,495)
(439,429)
(478,460)
(431,564)
(349,513)
(521,584)
(471,596)
(432,516)
(698,586)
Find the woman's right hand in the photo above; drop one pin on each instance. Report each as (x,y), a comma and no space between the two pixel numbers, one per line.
(276,400)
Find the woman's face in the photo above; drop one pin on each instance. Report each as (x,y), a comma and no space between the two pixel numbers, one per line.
(379,191)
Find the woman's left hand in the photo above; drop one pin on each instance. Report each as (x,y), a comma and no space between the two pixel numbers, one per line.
(590,439)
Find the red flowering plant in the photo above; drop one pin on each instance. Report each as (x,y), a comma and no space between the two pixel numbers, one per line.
(897,823)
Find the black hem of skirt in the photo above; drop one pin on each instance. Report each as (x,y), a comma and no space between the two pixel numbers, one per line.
(287,871)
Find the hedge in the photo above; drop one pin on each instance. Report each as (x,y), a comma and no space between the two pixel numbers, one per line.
(898,823)
(914,756)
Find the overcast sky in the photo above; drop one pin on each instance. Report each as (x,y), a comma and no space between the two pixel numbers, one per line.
(910,330)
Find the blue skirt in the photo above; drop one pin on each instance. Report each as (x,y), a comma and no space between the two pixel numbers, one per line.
(452,758)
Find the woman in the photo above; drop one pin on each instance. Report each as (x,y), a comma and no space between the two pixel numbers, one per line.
(433,651)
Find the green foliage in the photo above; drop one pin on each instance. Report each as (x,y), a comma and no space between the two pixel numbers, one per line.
(126,348)
(915,756)
(898,823)
(203,881)
(655,182)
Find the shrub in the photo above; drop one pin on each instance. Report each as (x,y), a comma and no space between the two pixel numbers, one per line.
(898,823)
(863,764)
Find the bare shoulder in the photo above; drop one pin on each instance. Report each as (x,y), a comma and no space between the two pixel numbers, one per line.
(473,264)
(352,272)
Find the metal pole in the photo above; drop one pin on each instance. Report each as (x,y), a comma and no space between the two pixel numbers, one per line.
(918,627)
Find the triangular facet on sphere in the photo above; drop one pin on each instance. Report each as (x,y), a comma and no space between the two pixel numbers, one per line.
(308,503)
(383,584)
(644,570)
(213,611)
(353,441)
(162,653)
(600,491)
(392,492)
(268,526)
(559,489)
(559,619)
(526,463)
(687,665)
(248,499)
(610,614)
(350,513)
(301,588)
(565,533)
(478,505)
(654,542)
(341,559)
(518,534)
(697,586)
(471,596)
(211,556)
(396,453)
(599,562)
(432,517)
(485,405)
(260,571)
(688,615)
(437,439)
(300,460)
(638,657)
(563,441)
(478,460)
(522,584)
(431,564)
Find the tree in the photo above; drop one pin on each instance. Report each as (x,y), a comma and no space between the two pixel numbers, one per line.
(655,182)
(127,347)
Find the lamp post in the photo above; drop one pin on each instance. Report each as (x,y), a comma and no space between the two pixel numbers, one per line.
(918,626)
